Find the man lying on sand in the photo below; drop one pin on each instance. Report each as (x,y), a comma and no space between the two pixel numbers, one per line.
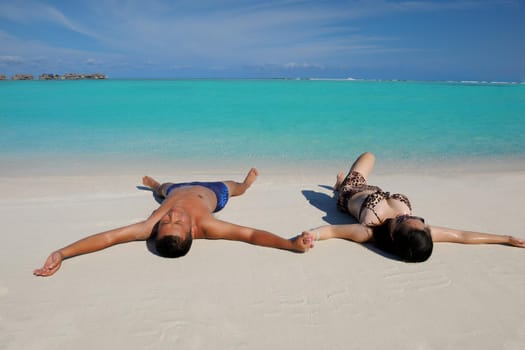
(186,213)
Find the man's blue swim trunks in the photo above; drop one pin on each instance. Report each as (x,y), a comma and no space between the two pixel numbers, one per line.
(219,188)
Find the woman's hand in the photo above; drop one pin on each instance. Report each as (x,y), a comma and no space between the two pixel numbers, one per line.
(51,265)
(517,242)
(303,242)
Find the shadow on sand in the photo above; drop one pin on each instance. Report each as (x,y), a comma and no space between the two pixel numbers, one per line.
(333,216)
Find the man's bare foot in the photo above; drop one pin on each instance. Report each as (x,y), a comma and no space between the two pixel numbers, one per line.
(251,177)
(150,182)
(339,180)
(238,188)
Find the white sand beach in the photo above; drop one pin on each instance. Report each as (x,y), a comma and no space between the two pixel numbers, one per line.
(230,295)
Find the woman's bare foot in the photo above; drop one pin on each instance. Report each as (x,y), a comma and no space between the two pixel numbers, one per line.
(150,182)
(339,180)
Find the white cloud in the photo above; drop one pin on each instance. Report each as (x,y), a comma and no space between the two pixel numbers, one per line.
(30,11)
(92,62)
(293,65)
(290,66)
(255,32)
(181,67)
(182,34)
(11,60)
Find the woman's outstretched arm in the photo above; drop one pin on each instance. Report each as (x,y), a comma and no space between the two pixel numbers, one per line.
(352,232)
(444,234)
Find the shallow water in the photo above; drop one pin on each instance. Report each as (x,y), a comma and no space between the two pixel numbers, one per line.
(274,121)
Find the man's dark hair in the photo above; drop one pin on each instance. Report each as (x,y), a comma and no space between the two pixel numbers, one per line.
(173,246)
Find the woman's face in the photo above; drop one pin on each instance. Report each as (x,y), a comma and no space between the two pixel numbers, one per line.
(407,222)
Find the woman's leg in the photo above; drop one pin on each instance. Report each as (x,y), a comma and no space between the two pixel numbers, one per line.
(363,164)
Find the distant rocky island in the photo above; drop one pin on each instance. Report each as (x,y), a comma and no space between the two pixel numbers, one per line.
(51,76)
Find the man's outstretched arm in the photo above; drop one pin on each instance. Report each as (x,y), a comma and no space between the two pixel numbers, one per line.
(217,229)
(139,231)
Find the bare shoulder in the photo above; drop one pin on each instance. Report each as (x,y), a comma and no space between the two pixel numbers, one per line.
(218,229)
(439,234)
(209,227)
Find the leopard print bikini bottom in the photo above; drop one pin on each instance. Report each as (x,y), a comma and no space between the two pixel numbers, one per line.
(355,183)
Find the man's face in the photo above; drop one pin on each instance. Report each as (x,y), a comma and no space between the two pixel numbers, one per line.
(175,223)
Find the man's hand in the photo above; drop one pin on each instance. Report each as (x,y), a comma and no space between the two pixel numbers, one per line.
(303,242)
(51,265)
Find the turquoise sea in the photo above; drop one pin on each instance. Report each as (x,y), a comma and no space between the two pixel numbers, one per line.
(261,120)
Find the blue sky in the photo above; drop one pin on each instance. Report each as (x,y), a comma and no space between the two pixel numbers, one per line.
(368,39)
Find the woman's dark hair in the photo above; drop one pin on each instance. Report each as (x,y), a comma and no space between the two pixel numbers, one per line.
(411,245)
(173,246)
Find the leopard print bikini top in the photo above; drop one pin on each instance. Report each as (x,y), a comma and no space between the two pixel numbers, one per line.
(373,199)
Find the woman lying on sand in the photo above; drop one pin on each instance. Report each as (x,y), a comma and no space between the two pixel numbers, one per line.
(186,213)
(387,220)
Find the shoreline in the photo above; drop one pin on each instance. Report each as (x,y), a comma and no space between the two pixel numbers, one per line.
(92,165)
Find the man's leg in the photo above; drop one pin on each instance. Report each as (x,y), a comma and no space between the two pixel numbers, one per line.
(238,188)
(159,189)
